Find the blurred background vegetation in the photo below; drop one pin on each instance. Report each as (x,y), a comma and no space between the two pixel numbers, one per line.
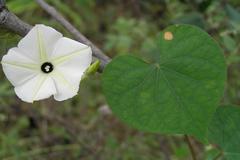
(83,128)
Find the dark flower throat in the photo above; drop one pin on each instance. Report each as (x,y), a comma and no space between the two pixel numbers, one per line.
(47,67)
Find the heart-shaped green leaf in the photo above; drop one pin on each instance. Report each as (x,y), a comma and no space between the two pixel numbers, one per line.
(175,93)
(224,131)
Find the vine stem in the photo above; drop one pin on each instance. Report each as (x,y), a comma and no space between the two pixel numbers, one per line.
(190,146)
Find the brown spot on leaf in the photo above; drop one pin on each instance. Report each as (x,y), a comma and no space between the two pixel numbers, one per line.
(168,36)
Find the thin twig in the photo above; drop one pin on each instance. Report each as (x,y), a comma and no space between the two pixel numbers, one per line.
(190,146)
(78,35)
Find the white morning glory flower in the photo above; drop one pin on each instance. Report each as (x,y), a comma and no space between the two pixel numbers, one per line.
(45,63)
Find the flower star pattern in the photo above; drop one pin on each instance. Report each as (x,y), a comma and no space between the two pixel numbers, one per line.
(45,63)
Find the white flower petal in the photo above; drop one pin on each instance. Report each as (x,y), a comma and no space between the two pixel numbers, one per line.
(46,90)
(39,42)
(66,87)
(18,68)
(70,59)
(76,64)
(37,88)
(77,59)
(66,49)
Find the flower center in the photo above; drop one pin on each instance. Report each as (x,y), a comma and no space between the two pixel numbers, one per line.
(47,67)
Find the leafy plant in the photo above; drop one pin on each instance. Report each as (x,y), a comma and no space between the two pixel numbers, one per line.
(171,83)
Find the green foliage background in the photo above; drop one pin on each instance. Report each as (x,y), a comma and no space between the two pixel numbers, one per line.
(82,128)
